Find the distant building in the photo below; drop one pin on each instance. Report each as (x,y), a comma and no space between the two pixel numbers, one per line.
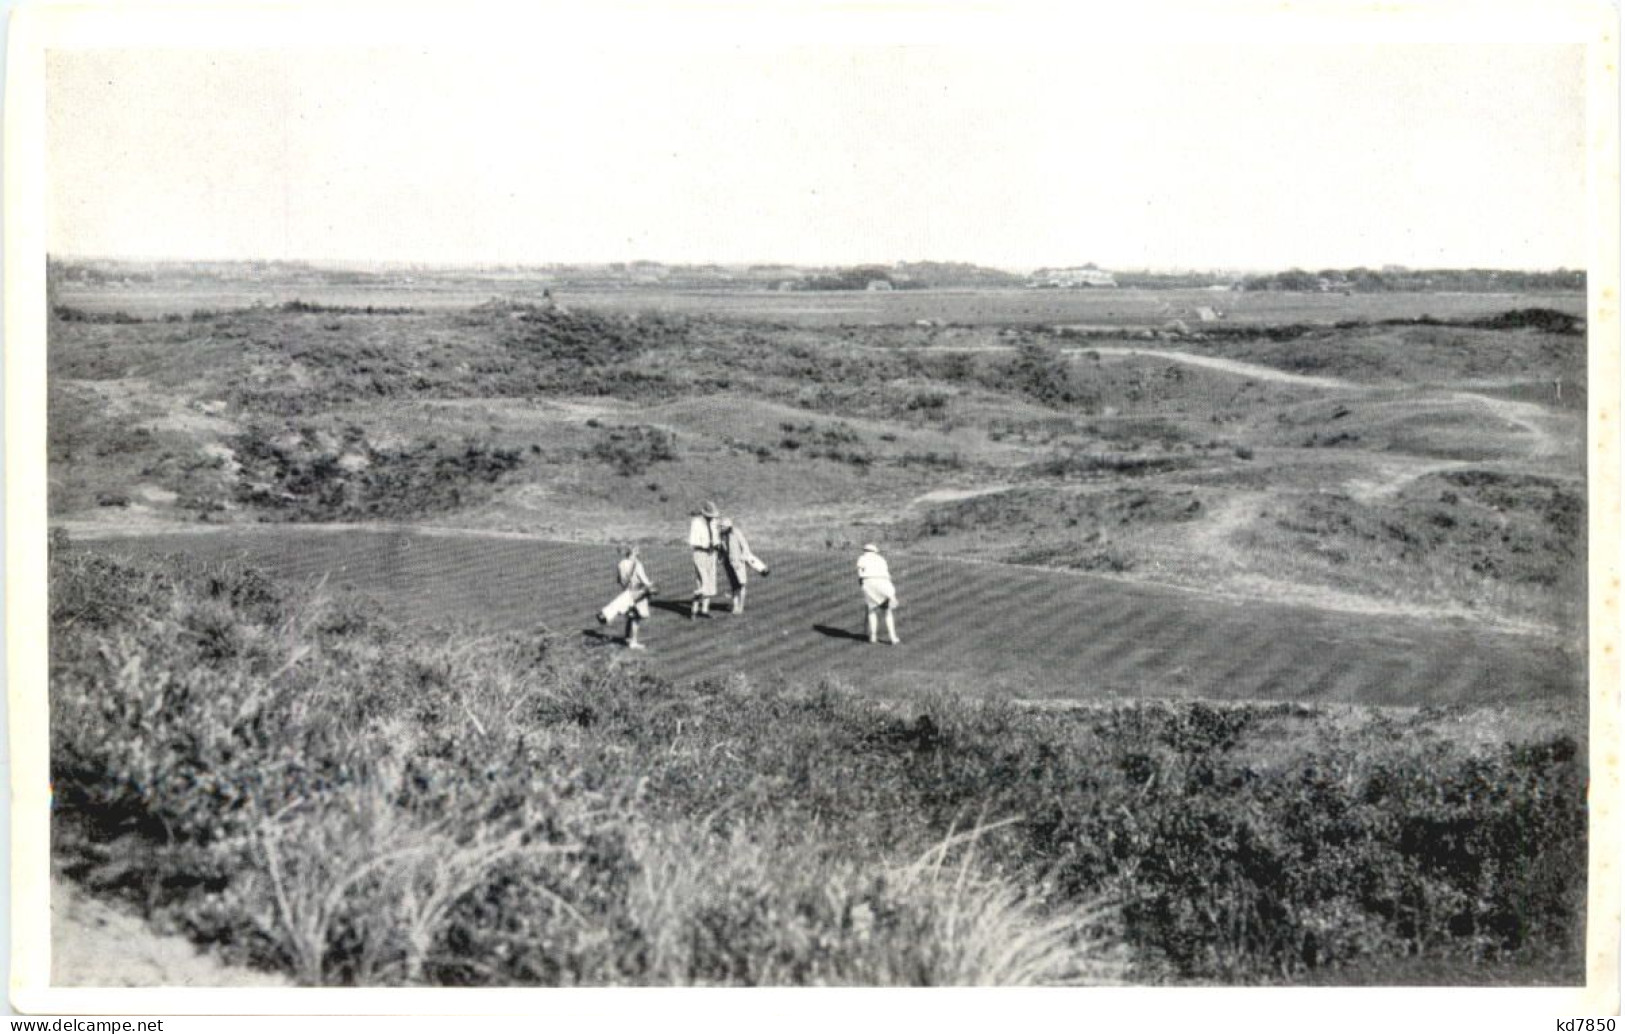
(1086,276)
(879,285)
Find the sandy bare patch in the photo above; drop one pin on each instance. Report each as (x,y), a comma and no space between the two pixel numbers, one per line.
(94,944)
(193,421)
(1386,476)
(154,494)
(1252,371)
(949,495)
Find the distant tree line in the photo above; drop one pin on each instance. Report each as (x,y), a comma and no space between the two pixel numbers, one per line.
(899,276)
(956,274)
(853,278)
(1393,278)
(1153,280)
(906,276)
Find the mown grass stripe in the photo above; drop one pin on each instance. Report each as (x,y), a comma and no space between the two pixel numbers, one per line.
(1322,673)
(1190,660)
(1048,633)
(1240,663)
(1129,634)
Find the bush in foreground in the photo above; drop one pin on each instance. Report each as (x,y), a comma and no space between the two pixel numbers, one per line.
(300,782)
(307,473)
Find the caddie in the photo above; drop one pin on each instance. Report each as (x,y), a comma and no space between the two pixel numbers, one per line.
(737,562)
(633,601)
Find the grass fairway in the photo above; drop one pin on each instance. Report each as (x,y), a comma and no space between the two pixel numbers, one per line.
(1010,631)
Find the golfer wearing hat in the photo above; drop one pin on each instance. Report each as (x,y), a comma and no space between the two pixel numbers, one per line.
(703,540)
(879,594)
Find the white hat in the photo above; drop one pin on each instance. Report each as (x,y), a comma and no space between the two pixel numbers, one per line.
(708,509)
(870,547)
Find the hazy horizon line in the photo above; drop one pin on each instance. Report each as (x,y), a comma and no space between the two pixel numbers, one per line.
(751,263)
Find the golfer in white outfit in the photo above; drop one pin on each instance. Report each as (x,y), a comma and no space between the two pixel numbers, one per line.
(879,594)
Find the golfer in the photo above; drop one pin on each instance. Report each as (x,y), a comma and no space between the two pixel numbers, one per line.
(879,594)
(636,588)
(737,562)
(704,542)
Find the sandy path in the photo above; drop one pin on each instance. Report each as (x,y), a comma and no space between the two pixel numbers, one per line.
(952,495)
(1388,475)
(1211,537)
(1535,419)
(1232,366)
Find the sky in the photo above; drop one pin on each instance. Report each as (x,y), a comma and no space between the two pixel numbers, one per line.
(1126,154)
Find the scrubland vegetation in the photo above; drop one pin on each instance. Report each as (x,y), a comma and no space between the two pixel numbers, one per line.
(311,785)
(514,416)
(291,777)
(304,473)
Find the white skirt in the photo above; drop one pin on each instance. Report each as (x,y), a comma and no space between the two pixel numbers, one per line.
(879,592)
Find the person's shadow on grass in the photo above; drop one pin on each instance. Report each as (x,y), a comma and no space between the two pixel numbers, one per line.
(679,607)
(840,633)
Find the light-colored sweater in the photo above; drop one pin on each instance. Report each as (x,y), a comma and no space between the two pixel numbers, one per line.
(702,532)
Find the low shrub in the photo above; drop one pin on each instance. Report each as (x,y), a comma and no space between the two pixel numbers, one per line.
(299,305)
(928,403)
(1040,372)
(1549,320)
(312,474)
(932,459)
(633,450)
(1094,464)
(836,442)
(1343,858)
(1076,556)
(71,314)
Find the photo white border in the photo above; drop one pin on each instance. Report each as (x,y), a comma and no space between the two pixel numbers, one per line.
(39,28)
